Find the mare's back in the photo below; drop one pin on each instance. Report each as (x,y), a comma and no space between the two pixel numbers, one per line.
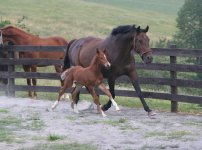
(83,50)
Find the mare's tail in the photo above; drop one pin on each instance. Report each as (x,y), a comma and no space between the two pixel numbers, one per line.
(66,58)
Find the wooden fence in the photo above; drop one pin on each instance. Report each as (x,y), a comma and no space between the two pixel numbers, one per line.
(173,82)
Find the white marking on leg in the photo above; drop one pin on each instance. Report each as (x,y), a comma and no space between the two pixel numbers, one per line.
(55,104)
(115,104)
(66,96)
(103,114)
(76,109)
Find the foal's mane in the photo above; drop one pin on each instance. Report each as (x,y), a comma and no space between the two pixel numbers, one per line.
(123,29)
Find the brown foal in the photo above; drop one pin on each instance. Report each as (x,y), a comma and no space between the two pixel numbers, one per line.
(89,77)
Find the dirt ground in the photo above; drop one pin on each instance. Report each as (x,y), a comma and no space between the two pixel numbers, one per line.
(130,128)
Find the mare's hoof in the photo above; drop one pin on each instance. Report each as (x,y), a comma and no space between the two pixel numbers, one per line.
(151,114)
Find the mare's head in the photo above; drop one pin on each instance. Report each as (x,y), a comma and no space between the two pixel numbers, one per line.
(141,45)
(102,59)
(10,34)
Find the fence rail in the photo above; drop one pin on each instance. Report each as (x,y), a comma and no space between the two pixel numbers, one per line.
(171,67)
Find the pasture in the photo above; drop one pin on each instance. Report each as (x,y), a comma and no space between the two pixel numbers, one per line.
(26,124)
(80,18)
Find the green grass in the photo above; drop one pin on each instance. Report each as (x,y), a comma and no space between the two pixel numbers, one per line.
(53,137)
(4,111)
(78,18)
(8,125)
(34,122)
(71,146)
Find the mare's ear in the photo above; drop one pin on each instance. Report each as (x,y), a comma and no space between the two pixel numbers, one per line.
(105,50)
(146,29)
(138,30)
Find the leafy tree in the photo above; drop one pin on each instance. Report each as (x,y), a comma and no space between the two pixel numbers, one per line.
(189,23)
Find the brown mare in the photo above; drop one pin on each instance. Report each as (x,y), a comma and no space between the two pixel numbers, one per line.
(89,77)
(120,45)
(17,36)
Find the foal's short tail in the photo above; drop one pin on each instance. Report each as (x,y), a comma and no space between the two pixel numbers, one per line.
(63,75)
(66,58)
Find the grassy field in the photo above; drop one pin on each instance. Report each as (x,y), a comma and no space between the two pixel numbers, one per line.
(78,18)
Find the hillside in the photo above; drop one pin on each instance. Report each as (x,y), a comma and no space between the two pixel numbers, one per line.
(78,18)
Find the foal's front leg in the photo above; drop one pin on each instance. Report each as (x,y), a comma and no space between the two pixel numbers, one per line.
(106,91)
(96,100)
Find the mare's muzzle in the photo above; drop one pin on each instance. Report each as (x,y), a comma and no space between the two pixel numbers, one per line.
(107,65)
(147,59)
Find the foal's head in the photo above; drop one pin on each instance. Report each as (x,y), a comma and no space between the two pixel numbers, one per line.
(142,45)
(102,59)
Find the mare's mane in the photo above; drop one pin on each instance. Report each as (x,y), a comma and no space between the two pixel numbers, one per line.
(123,29)
(17,30)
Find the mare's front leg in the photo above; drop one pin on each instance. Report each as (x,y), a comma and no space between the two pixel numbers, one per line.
(134,79)
(27,69)
(106,91)
(96,100)
(111,83)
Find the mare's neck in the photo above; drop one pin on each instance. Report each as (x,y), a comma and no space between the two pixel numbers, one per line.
(119,48)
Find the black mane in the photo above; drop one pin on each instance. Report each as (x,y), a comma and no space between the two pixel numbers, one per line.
(123,29)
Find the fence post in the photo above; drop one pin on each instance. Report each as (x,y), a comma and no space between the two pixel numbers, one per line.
(11,68)
(173,76)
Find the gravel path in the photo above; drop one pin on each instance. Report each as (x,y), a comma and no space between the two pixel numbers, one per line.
(128,129)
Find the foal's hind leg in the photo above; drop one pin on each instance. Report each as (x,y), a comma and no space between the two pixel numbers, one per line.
(67,84)
(106,91)
(96,100)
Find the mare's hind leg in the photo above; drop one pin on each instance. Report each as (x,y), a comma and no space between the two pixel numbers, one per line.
(111,83)
(96,100)
(34,81)
(27,69)
(106,91)
(67,84)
